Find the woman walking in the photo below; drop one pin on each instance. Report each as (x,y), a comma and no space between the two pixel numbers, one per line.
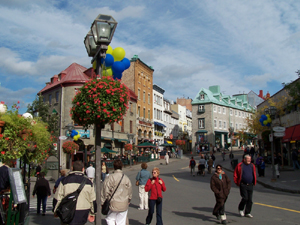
(104,171)
(220,184)
(141,179)
(156,185)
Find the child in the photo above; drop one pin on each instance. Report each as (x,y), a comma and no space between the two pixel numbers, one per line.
(262,167)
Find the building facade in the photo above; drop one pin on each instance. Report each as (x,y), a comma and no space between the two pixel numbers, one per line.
(158,115)
(213,113)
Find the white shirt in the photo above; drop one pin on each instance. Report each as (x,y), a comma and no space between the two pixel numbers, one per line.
(90,172)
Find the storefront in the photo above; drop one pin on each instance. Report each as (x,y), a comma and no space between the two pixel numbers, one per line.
(202,143)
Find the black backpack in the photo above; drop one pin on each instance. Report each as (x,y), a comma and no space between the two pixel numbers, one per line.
(193,163)
(67,207)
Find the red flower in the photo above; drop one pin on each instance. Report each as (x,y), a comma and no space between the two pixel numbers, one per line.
(3,152)
(7,138)
(18,102)
(104,104)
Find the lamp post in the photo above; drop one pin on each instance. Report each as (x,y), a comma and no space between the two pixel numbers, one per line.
(231,130)
(69,128)
(130,138)
(96,43)
(272,110)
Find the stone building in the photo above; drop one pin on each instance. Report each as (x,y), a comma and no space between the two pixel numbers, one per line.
(213,113)
(59,93)
(139,78)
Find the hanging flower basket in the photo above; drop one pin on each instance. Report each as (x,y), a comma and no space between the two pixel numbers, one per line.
(128,147)
(180,142)
(70,147)
(2,123)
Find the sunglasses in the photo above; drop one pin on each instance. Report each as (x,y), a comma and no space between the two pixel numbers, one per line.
(153,172)
(219,168)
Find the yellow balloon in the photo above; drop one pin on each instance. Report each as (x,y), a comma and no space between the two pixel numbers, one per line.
(265,122)
(269,120)
(118,54)
(75,138)
(268,115)
(107,72)
(109,50)
(94,64)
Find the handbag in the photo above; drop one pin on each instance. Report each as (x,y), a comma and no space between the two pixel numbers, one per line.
(137,183)
(106,204)
(159,199)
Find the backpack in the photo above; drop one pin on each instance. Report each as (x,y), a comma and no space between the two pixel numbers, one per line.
(213,157)
(67,207)
(193,163)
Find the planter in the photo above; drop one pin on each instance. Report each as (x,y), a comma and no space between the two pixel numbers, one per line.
(2,123)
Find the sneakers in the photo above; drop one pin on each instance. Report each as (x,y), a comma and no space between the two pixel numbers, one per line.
(249,215)
(140,209)
(241,213)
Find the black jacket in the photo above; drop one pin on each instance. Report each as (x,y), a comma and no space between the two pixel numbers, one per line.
(41,188)
(4,178)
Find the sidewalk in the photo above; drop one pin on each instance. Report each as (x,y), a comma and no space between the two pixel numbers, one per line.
(289,180)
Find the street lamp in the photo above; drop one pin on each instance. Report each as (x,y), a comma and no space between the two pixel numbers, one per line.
(231,130)
(96,43)
(272,110)
(130,138)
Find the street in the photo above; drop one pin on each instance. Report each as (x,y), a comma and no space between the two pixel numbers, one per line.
(189,200)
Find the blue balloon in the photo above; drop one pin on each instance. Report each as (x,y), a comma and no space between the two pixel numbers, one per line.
(268,124)
(118,67)
(261,120)
(126,63)
(109,60)
(117,76)
(264,117)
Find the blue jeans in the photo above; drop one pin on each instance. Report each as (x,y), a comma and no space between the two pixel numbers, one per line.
(43,200)
(152,203)
(296,164)
(103,176)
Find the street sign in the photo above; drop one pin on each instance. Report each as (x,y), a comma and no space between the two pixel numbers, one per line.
(279,134)
(279,129)
(270,137)
(63,138)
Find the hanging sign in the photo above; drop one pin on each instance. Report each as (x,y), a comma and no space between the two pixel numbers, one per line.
(279,129)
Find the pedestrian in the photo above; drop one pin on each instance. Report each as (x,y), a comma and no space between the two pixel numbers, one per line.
(213,158)
(167,158)
(245,178)
(223,154)
(220,184)
(42,191)
(276,164)
(258,164)
(156,185)
(104,171)
(4,178)
(63,175)
(295,159)
(38,169)
(142,178)
(86,206)
(201,166)
(120,201)
(262,167)
(206,157)
(210,163)
(90,172)
(192,165)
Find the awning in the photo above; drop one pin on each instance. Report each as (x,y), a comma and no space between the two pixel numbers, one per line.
(107,138)
(288,134)
(122,140)
(159,124)
(169,142)
(201,131)
(296,134)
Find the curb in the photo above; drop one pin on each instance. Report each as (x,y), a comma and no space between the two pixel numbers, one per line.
(270,186)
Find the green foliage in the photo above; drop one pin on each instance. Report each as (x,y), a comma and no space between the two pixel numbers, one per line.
(293,89)
(100,101)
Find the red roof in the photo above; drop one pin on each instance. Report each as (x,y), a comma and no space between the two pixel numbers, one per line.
(75,73)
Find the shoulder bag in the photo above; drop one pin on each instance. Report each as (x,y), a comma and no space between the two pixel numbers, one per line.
(159,199)
(106,204)
(137,183)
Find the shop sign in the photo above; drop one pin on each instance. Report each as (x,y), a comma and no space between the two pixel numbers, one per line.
(278,129)
(279,134)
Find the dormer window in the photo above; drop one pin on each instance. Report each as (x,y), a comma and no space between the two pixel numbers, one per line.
(202,97)
(228,101)
(220,98)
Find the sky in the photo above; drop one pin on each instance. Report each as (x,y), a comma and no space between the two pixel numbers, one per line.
(237,44)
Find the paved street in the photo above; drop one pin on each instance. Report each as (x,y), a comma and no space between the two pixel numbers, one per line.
(189,200)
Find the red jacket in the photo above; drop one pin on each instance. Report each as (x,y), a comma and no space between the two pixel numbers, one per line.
(155,187)
(237,176)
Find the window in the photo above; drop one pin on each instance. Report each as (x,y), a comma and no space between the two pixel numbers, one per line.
(239,114)
(219,109)
(144,112)
(148,114)
(139,109)
(236,127)
(139,94)
(240,126)
(220,124)
(122,127)
(112,127)
(220,98)
(56,96)
(235,112)
(131,130)
(231,125)
(224,110)
(243,114)
(148,98)
(215,108)
(202,97)
(130,106)
(144,97)
(50,99)
(201,108)
(225,127)
(231,112)
(215,123)
(201,123)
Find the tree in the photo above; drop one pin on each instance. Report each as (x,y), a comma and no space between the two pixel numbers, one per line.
(41,109)
(293,90)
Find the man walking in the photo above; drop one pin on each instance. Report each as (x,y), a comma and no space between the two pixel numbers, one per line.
(86,206)
(90,172)
(192,166)
(42,191)
(119,183)
(245,177)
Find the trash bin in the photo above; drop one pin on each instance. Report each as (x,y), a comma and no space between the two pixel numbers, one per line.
(234,163)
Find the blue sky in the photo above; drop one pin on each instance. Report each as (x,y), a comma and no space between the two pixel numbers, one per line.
(240,45)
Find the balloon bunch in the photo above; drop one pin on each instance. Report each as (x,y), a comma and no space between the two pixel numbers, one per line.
(265,120)
(75,135)
(114,63)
